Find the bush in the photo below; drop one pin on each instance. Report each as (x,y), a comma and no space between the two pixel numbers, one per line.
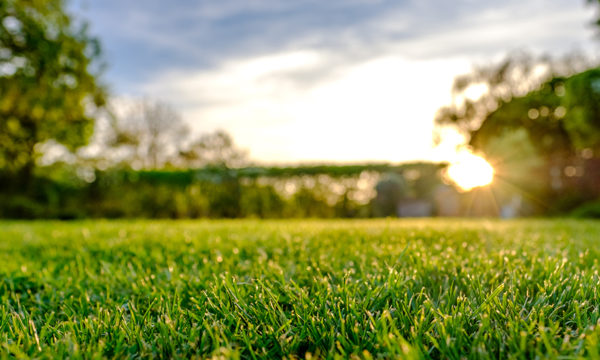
(588,210)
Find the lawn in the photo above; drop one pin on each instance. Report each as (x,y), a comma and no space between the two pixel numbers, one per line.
(300,289)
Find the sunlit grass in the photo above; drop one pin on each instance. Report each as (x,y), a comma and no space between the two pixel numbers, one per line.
(250,289)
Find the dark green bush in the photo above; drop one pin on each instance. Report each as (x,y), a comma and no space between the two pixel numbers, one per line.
(588,210)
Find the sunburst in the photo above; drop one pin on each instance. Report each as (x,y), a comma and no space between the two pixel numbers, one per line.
(469,171)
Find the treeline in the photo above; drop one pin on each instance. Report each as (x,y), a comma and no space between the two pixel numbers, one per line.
(70,150)
(59,191)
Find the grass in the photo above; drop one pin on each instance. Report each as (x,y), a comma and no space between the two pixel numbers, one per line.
(300,289)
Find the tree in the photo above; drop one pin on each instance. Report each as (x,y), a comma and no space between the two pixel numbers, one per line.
(562,115)
(390,190)
(497,84)
(594,2)
(48,82)
(523,92)
(150,133)
(213,149)
(542,135)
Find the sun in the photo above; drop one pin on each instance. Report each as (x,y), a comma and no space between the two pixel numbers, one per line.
(470,171)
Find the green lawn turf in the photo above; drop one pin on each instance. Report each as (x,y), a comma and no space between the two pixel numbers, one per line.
(252,289)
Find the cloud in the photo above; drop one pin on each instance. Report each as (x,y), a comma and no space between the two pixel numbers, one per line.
(381,108)
(308,79)
(143,38)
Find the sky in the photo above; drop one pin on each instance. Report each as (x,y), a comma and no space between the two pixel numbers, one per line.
(308,81)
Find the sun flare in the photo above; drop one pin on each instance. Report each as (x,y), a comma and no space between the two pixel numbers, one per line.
(470,171)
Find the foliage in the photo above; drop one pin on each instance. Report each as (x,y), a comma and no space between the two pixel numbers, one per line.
(390,190)
(47,81)
(561,116)
(582,105)
(212,149)
(146,136)
(151,135)
(589,209)
(299,289)
(595,2)
(539,129)
(65,191)
(497,84)
(561,122)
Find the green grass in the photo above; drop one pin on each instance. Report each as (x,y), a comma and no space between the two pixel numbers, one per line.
(252,289)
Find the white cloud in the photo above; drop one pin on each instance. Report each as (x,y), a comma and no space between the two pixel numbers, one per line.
(381,109)
(364,94)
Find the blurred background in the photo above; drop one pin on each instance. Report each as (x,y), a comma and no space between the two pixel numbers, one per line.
(273,108)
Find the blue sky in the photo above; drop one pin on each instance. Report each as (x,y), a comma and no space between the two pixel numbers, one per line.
(309,81)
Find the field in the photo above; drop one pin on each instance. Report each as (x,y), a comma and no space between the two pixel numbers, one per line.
(300,289)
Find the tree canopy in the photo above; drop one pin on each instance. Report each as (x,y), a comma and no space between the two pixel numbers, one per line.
(48,81)
(562,115)
(595,2)
(538,122)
